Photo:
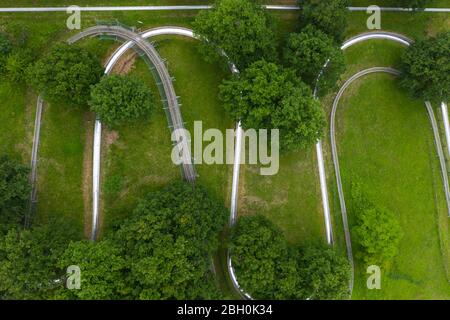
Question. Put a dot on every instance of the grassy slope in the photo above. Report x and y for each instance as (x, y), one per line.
(137, 160)
(196, 82)
(291, 198)
(384, 137)
(384, 53)
(16, 121)
(61, 157)
(197, 85)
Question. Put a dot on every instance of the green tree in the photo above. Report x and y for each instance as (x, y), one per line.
(102, 267)
(17, 64)
(267, 96)
(378, 233)
(326, 273)
(67, 73)
(241, 29)
(119, 99)
(307, 53)
(14, 192)
(426, 68)
(377, 230)
(169, 241)
(28, 260)
(330, 16)
(262, 260)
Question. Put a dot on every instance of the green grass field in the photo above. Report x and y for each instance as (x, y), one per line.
(136, 158)
(16, 121)
(291, 198)
(60, 164)
(64, 159)
(384, 137)
(196, 82)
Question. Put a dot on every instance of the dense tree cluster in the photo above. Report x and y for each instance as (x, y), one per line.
(67, 73)
(268, 268)
(268, 96)
(241, 29)
(29, 258)
(426, 68)
(329, 16)
(15, 56)
(119, 99)
(312, 53)
(162, 251)
(377, 230)
(14, 192)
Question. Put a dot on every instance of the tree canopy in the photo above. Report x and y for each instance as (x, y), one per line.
(307, 53)
(267, 96)
(426, 68)
(18, 63)
(169, 242)
(241, 29)
(268, 268)
(119, 99)
(261, 259)
(14, 192)
(28, 268)
(377, 230)
(326, 273)
(102, 267)
(67, 73)
(330, 16)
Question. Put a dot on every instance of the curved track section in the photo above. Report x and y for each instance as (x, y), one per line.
(180, 31)
(177, 123)
(383, 35)
(336, 158)
(176, 120)
(440, 150)
(319, 150)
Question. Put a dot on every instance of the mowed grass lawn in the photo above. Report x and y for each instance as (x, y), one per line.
(63, 156)
(385, 138)
(291, 198)
(197, 84)
(136, 158)
(16, 121)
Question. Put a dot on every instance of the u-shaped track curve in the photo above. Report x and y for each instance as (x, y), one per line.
(170, 30)
(335, 156)
(406, 41)
(173, 108)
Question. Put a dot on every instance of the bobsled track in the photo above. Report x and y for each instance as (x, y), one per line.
(138, 42)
